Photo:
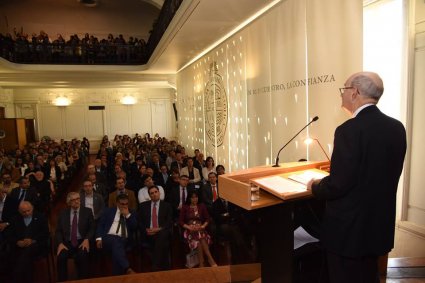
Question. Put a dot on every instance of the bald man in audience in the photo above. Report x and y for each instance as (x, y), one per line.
(28, 234)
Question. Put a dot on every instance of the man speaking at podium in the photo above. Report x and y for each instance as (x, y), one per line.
(360, 191)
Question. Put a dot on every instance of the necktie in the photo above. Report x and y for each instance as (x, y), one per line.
(74, 227)
(154, 216)
(214, 191)
(183, 195)
(22, 195)
(121, 225)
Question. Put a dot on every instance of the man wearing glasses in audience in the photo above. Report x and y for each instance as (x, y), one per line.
(74, 232)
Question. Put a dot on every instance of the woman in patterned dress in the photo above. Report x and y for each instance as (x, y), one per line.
(194, 219)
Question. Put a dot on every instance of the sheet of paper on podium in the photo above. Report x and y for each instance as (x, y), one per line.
(305, 176)
(289, 185)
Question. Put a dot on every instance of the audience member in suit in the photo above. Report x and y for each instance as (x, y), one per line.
(163, 176)
(44, 188)
(209, 192)
(99, 188)
(25, 193)
(8, 209)
(101, 169)
(360, 192)
(135, 166)
(194, 219)
(40, 165)
(91, 169)
(130, 184)
(178, 162)
(30, 171)
(155, 163)
(74, 231)
(156, 220)
(91, 199)
(223, 225)
(28, 233)
(173, 182)
(179, 195)
(193, 173)
(114, 231)
(199, 162)
(7, 185)
(143, 194)
(120, 189)
(52, 171)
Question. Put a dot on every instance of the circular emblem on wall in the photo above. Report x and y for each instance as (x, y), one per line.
(215, 105)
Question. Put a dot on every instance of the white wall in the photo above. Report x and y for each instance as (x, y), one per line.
(413, 215)
(152, 112)
(276, 74)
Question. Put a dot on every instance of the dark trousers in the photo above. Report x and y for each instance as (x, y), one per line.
(81, 259)
(159, 245)
(24, 262)
(352, 270)
(117, 246)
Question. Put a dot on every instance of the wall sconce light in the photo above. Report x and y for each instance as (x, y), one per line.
(310, 140)
(62, 101)
(128, 100)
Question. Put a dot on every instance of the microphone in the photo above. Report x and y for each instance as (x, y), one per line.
(277, 157)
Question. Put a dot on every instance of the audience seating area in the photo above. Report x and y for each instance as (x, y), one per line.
(118, 158)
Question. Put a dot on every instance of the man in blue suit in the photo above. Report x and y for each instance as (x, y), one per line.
(115, 227)
(360, 192)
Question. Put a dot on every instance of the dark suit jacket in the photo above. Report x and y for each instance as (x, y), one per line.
(107, 219)
(360, 191)
(207, 195)
(86, 225)
(103, 190)
(98, 204)
(175, 199)
(165, 216)
(30, 195)
(37, 230)
(58, 172)
(10, 209)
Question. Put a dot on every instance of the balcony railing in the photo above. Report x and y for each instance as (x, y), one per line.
(88, 53)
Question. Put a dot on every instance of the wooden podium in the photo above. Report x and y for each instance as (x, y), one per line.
(276, 213)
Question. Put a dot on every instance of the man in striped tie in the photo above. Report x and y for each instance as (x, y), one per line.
(155, 218)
